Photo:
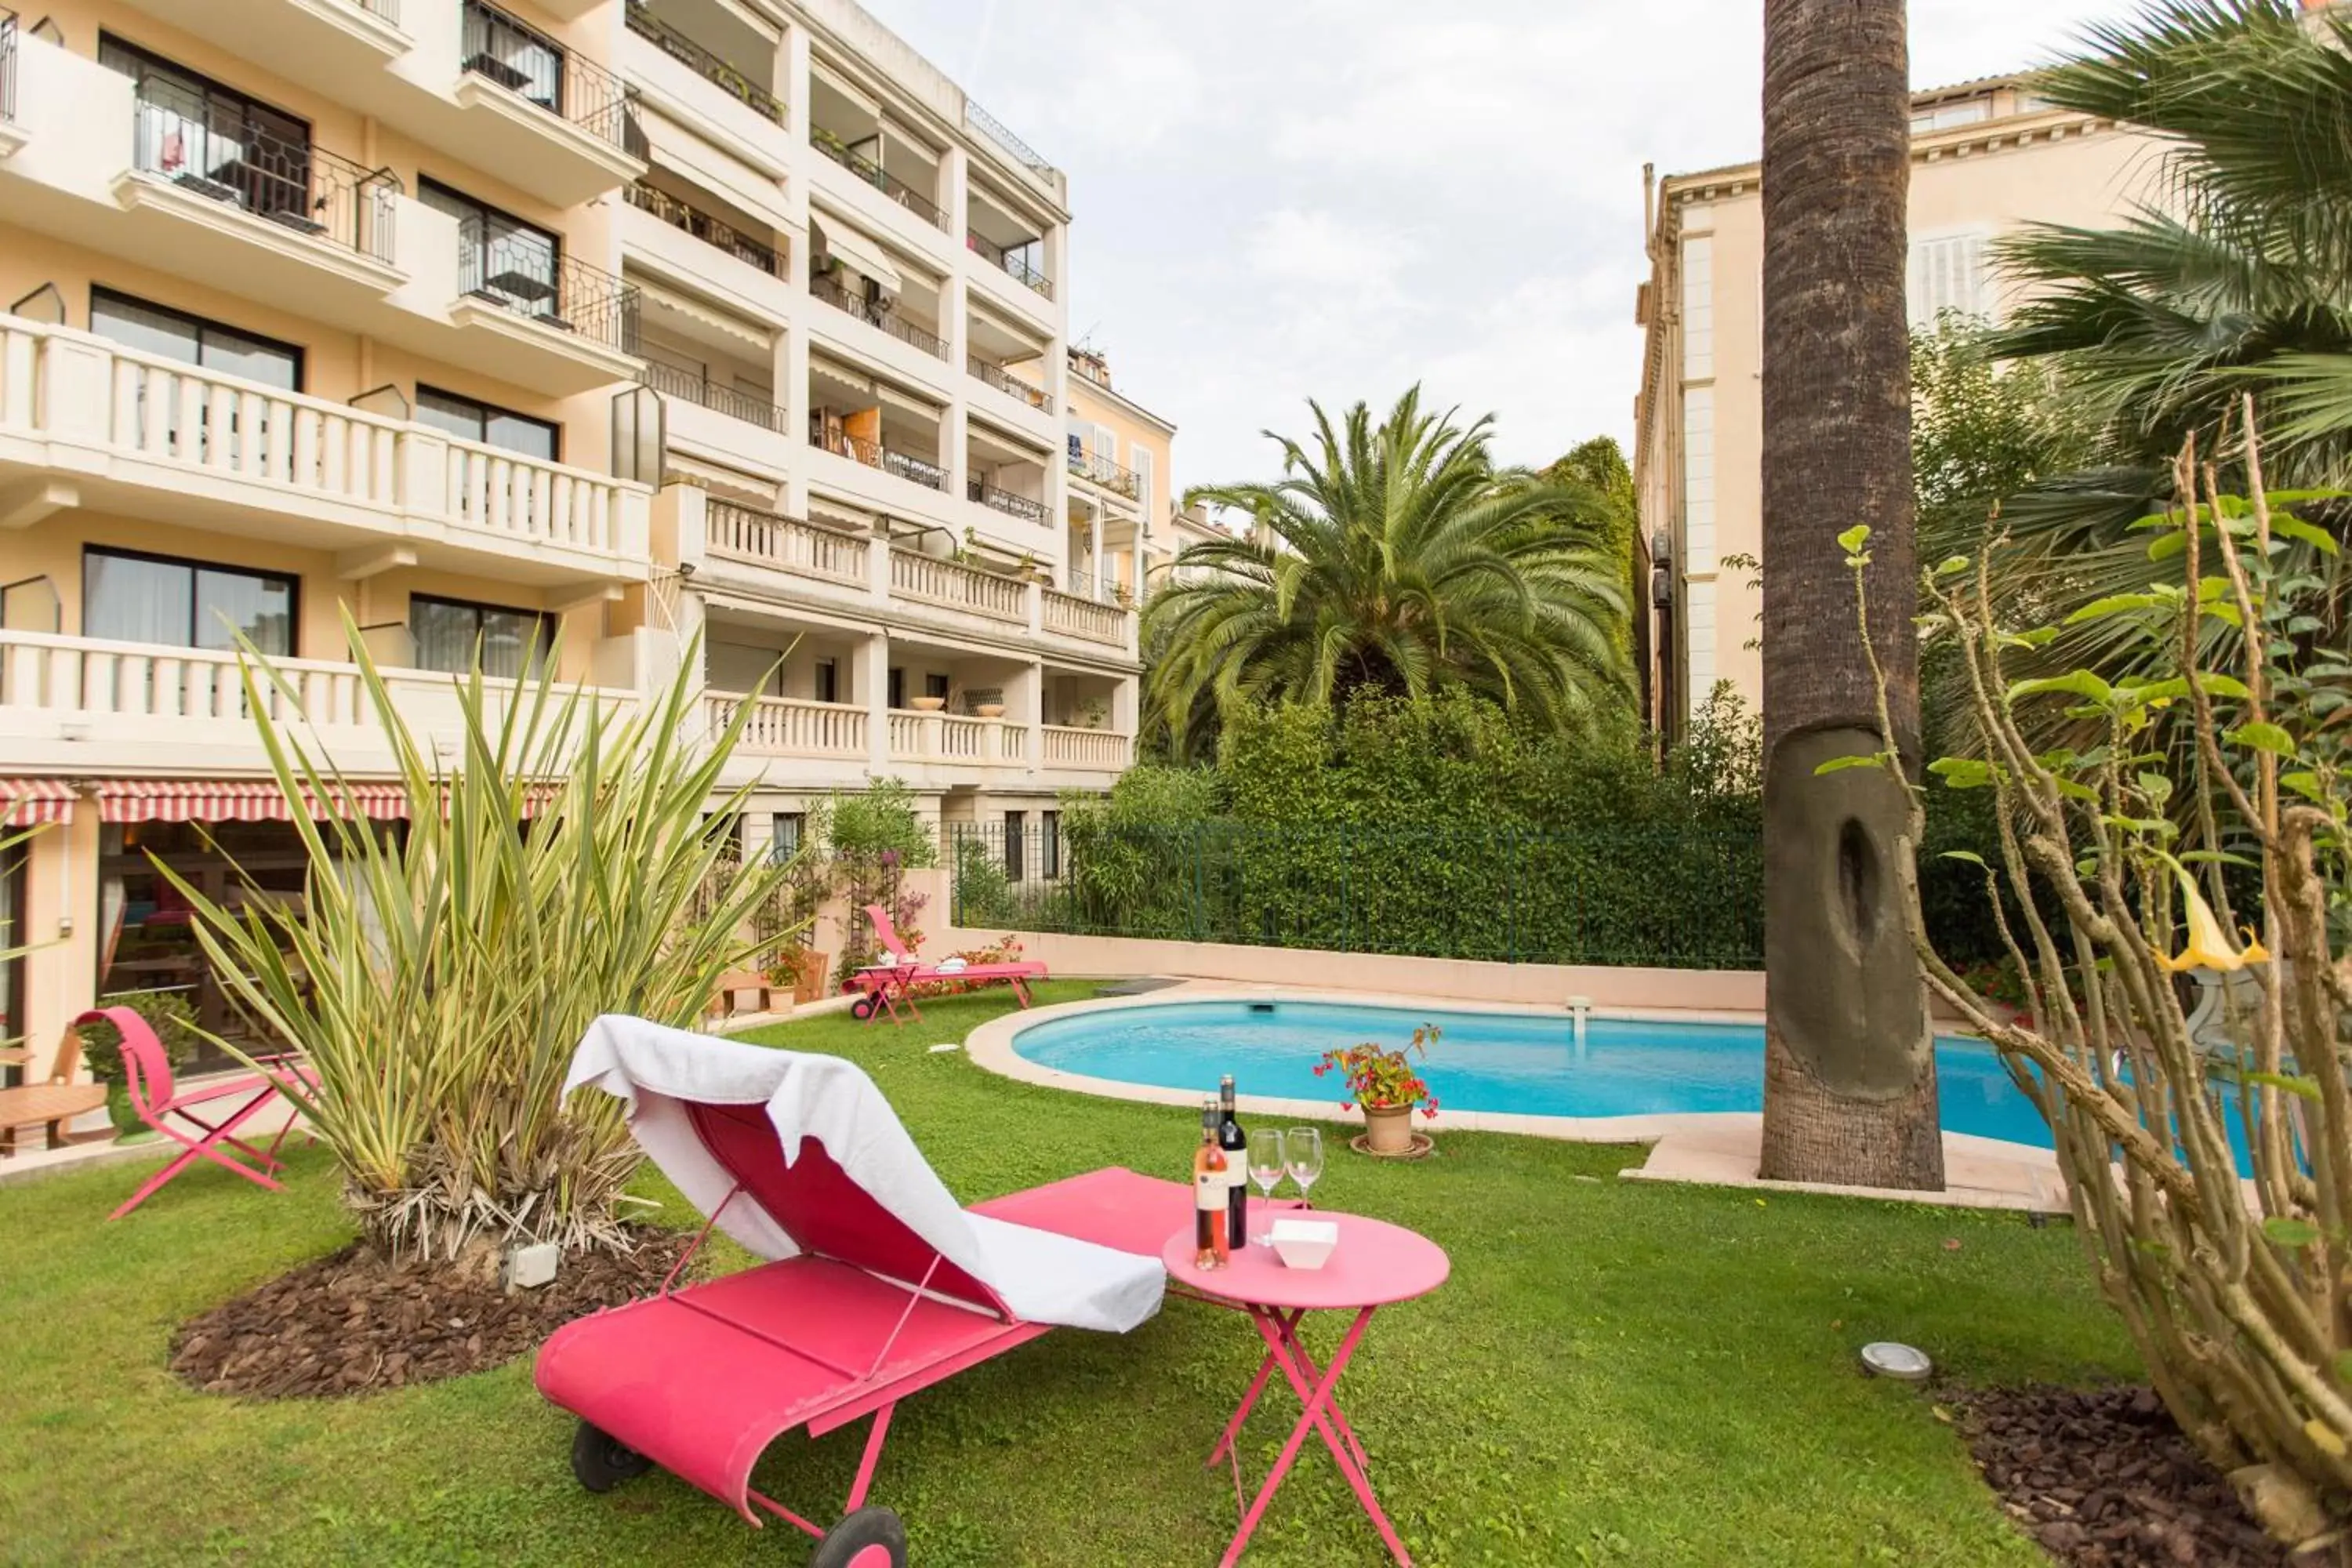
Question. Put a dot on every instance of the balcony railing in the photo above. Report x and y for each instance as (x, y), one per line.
(875, 454)
(881, 179)
(988, 125)
(704, 64)
(747, 407)
(1103, 472)
(874, 315)
(1011, 262)
(525, 61)
(1006, 502)
(790, 727)
(770, 540)
(957, 587)
(519, 273)
(997, 376)
(954, 738)
(1100, 750)
(7, 65)
(1080, 617)
(294, 185)
(704, 228)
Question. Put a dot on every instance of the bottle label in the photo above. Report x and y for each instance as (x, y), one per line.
(1209, 1190)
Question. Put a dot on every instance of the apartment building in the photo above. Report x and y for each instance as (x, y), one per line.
(607, 332)
(1986, 159)
(1121, 488)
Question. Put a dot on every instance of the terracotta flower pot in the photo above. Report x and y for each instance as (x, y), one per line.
(1388, 1129)
(808, 984)
(990, 710)
(927, 704)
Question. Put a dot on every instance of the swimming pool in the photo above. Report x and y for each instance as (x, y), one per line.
(1486, 1061)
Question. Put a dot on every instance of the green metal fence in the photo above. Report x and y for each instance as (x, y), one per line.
(1521, 896)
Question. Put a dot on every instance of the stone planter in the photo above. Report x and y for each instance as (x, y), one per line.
(927, 704)
(1387, 1129)
(990, 710)
(808, 982)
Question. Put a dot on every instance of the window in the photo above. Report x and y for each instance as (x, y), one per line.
(1946, 273)
(500, 257)
(784, 834)
(174, 335)
(1143, 466)
(1049, 830)
(1106, 443)
(829, 681)
(128, 597)
(214, 140)
(471, 421)
(936, 686)
(898, 696)
(451, 633)
(1944, 115)
(1014, 857)
(519, 58)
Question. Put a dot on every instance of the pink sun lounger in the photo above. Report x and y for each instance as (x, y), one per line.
(887, 985)
(878, 1284)
(215, 1112)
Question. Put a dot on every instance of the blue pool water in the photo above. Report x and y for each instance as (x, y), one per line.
(1486, 1061)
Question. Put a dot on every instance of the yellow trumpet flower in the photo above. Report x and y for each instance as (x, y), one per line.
(2208, 945)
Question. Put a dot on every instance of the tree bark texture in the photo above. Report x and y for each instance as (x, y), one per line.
(1850, 1073)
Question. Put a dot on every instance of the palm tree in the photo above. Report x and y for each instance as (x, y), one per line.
(1389, 558)
(1850, 1074)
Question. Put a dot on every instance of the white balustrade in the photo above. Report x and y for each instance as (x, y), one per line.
(790, 727)
(1077, 617)
(1094, 750)
(958, 586)
(767, 540)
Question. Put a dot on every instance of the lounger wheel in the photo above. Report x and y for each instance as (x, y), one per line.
(602, 1461)
(863, 1008)
(870, 1538)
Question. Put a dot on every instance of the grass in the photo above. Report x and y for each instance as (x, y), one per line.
(1617, 1373)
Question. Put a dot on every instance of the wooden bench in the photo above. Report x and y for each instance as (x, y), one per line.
(52, 1103)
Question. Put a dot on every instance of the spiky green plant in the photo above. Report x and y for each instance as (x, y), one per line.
(559, 865)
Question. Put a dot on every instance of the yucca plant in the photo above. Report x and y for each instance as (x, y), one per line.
(564, 862)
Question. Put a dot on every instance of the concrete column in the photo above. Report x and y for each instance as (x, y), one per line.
(1024, 704)
(873, 677)
(1123, 706)
(60, 926)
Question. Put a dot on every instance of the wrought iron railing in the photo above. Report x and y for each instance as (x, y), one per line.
(7, 65)
(295, 185)
(1106, 473)
(876, 175)
(875, 454)
(673, 382)
(988, 125)
(704, 64)
(504, 50)
(1006, 502)
(997, 376)
(875, 315)
(704, 228)
(520, 273)
(1011, 262)
(1684, 900)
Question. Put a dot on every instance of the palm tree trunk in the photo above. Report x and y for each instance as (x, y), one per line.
(1850, 1074)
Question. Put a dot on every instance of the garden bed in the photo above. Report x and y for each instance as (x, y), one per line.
(2105, 1479)
(353, 1324)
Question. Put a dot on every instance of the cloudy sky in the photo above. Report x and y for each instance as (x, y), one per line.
(1284, 199)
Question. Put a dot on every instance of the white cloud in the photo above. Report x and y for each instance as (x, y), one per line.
(1280, 199)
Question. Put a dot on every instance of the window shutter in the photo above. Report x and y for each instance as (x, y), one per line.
(1948, 274)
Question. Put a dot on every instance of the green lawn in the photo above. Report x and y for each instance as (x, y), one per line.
(1617, 1373)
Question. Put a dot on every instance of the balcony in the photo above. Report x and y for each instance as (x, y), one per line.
(86, 423)
(917, 337)
(709, 230)
(873, 454)
(300, 40)
(705, 64)
(1085, 750)
(792, 726)
(952, 740)
(997, 376)
(1088, 620)
(955, 586)
(672, 382)
(881, 179)
(12, 135)
(1006, 502)
(1010, 262)
(545, 319)
(68, 702)
(785, 544)
(548, 120)
(1102, 471)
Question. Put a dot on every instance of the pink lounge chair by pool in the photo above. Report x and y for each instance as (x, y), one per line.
(879, 1284)
(884, 987)
(215, 1112)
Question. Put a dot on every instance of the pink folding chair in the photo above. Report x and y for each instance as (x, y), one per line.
(886, 987)
(147, 1078)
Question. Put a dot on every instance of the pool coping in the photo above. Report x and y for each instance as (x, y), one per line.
(1709, 1148)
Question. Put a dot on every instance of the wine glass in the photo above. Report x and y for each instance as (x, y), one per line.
(1303, 1154)
(1265, 1168)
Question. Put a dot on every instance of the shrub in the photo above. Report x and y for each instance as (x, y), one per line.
(168, 1013)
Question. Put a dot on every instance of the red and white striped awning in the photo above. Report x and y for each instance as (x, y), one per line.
(28, 803)
(236, 800)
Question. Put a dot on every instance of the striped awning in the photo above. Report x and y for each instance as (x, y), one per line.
(236, 800)
(28, 803)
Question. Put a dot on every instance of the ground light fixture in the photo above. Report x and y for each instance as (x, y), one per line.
(1885, 1358)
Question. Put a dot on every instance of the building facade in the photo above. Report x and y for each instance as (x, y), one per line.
(616, 331)
(1986, 159)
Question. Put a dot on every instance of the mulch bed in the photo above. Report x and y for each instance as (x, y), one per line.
(352, 1323)
(2105, 1479)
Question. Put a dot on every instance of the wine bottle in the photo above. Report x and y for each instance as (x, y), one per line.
(1209, 1247)
(1235, 1144)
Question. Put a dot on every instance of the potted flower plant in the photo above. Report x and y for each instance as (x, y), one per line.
(1386, 1084)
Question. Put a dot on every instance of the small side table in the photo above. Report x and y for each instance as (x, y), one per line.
(1374, 1264)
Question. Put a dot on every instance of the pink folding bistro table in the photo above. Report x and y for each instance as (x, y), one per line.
(1374, 1264)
